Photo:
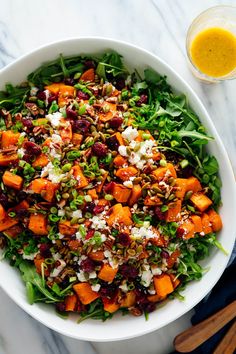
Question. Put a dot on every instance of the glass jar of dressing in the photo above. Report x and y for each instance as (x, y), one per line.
(211, 44)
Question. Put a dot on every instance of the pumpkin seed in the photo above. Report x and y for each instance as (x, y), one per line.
(131, 252)
(188, 195)
(65, 195)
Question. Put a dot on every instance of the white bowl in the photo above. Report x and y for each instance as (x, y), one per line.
(120, 327)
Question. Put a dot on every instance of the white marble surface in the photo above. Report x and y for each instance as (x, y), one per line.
(157, 25)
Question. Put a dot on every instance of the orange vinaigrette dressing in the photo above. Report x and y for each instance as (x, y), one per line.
(213, 51)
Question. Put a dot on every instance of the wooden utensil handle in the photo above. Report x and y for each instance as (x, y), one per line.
(228, 343)
(196, 335)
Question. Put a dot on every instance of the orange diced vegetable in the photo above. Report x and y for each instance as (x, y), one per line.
(197, 221)
(38, 224)
(7, 222)
(119, 138)
(3, 213)
(66, 229)
(135, 194)
(9, 138)
(54, 88)
(107, 273)
(163, 285)
(77, 139)
(11, 180)
(173, 212)
(109, 114)
(13, 231)
(40, 161)
(168, 171)
(6, 160)
(22, 205)
(79, 176)
(38, 265)
(151, 201)
(85, 293)
(66, 92)
(200, 201)
(121, 193)
(70, 302)
(110, 305)
(93, 193)
(180, 184)
(74, 245)
(38, 184)
(126, 172)
(49, 192)
(173, 258)
(119, 215)
(206, 224)
(66, 133)
(96, 256)
(155, 298)
(88, 75)
(99, 186)
(215, 220)
(129, 299)
(188, 230)
(119, 161)
(193, 184)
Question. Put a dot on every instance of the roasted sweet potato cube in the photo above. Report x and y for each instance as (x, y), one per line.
(85, 293)
(197, 221)
(129, 299)
(168, 171)
(79, 176)
(111, 305)
(9, 138)
(11, 180)
(215, 220)
(70, 302)
(40, 161)
(66, 229)
(107, 273)
(38, 224)
(206, 224)
(200, 201)
(193, 184)
(180, 185)
(125, 173)
(121, 193)
(135, 194)
(173, 212)
(163, 285)
(188, 228)
(8, 159)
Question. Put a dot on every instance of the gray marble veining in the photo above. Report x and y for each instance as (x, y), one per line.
(157, 25)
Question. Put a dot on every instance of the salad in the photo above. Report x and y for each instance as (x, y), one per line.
(108, 196)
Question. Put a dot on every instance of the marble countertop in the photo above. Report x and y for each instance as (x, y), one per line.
(157, 25)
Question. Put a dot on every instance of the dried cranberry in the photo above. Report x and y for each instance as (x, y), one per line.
(123, 238)
(120, 84)
(32, 148)
(41, 95)
(113, 143)
(143, 99)
(116, 122)
(80, 126)
(80, 307)
(89, 207)
(21, 195)
(99, 149)
(69, 81)
(44, 249)
(187, 172)
(98, 209)
(70, 114)
(87, 265)
(52, 98)
(89, 64)
(4, 200)
(22, 213)
(165, 254)
(27, 122)
(27, 157)
(180, 232)
(140, 295)
(159, 213)
(82, 95)
(89, 234)
(60, 306)
(108, 188)
(148, 306)
(108, 290)
(147, 170)
(128, 271)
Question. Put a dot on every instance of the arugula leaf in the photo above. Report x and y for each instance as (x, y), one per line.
(111, 64)
(151, 76)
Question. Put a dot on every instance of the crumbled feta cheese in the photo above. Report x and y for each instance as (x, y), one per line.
(156, 270)
(103, 237)
(81, 276)
(30, 256)
(124, 288)
(98, 223)
(130, 133)
(151, 291)
(56, 138)
(53, 174)
(56, 271)
(92, 275)
(96, 287)
(128, 184)
(21, 152)
(142, 232)
(56, 256)
(77, 214)
(54, 119)
(33, 91)
(146, 277)
(61, 212)
(47, 94)
(78, 236)
(122, 150)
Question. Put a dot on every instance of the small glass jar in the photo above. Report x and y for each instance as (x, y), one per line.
(223, 17)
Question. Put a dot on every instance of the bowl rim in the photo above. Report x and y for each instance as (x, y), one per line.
(109, 41)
